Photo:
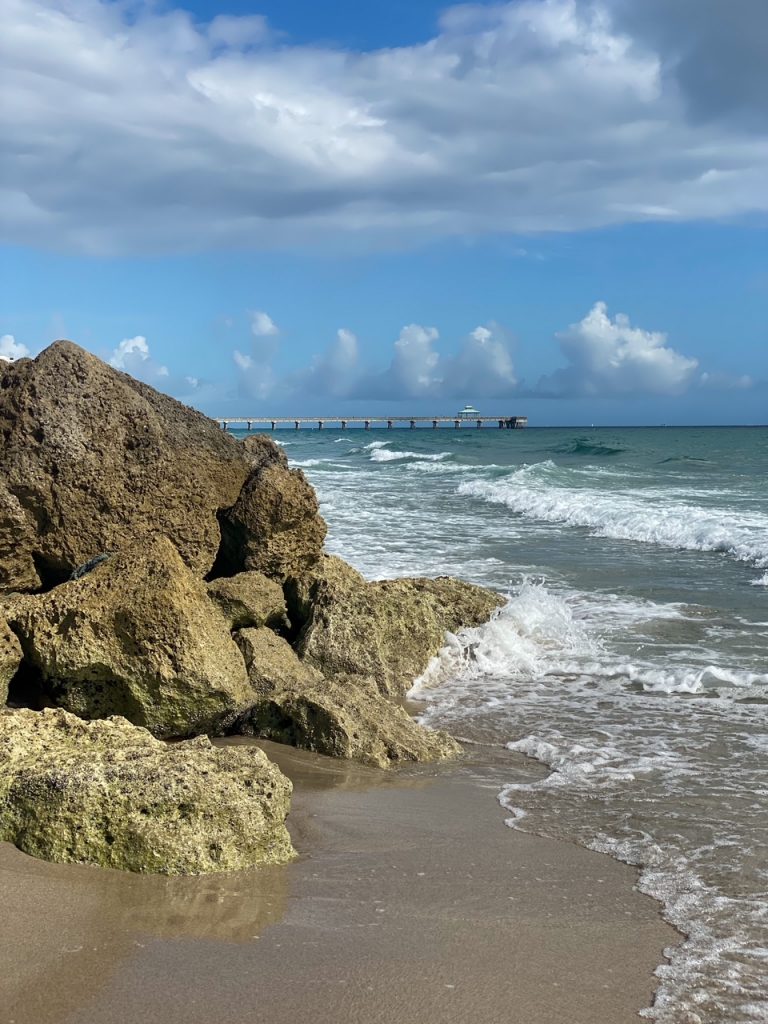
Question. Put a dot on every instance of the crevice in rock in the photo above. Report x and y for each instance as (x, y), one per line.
(228, 561)
(299, 610)
(27, 689)
(52, 572)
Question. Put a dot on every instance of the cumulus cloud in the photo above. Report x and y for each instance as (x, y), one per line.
(610, 357)
(481, 367)
(10, 349)
(262, 325)
(133, 356)
(132, 127)
(332, 373)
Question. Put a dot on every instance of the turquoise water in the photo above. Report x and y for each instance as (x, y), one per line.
(631, 657)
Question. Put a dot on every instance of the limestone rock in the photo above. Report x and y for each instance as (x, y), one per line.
(17, 542)
(345, 716)
(250, 599)
(137, 636)
(274, 527)
(271, 663)
(387, 630)
(92, 459)
(10, 658)
(110, 794)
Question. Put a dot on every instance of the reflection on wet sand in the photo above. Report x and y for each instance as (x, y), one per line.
(67, 927)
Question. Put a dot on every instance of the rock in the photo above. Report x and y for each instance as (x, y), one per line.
(139, 637)
(388, 630)
(345, 716)
(271, 663)
(274, 527)
(91, 459)
(10, 658)
(250, 599)
(110, 794)
(17, 542)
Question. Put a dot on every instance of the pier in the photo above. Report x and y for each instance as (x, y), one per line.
(343, 422)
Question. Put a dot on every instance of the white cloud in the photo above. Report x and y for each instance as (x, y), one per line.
(132, 356)
(10, 349)
(609, 357)
(130, 350)
(481, 368)
(718, 381)
(414, 369)
(262, 325)
(334, 372)
(516, 117)
(242, 361)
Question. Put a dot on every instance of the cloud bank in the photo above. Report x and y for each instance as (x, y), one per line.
(604, 357)
(132, 127)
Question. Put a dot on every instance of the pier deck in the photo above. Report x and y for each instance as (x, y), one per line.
(342, 422)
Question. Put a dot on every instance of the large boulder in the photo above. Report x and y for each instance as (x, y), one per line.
(250, 599)
(274, 527)
(10, 658)
(137, 636)
(344, 716)
(388, 630)
(91, 459)
(110, 794)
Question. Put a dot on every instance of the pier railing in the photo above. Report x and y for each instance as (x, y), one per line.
(342, 422)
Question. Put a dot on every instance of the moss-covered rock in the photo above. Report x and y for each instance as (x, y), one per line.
(344, 716)
(250, 599)
(108, 793)
(387, 630)
(137, 636)
(10, 658)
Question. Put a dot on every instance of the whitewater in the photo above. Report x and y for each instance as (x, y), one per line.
(629, 664)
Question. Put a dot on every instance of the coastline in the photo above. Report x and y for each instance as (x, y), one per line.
(410, 900)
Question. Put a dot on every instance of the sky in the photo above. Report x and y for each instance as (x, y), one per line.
(551, 208)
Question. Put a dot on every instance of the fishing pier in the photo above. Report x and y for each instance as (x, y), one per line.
(366, 422)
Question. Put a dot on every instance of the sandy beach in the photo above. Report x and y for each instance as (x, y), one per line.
(411, 901)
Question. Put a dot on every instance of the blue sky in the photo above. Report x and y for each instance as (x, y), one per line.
(548, 207)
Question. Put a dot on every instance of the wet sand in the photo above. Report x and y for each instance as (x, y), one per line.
(411, 902)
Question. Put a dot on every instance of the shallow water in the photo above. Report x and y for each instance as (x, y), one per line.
(631, 658)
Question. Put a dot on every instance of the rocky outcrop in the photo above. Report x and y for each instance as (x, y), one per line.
(387, 630)
(137, 636)
(10, 658)
(92, 459)
(250, 599)
(274, 527)
(344, 716)
(110, 794)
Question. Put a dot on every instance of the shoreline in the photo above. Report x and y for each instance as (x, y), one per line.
(410, 900)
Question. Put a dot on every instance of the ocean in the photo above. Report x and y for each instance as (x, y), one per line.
(630, 661)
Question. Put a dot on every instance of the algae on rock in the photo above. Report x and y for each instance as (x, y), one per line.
(138, 636)
(108, 793)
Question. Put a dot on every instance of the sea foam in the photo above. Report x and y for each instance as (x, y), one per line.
(652, 518)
